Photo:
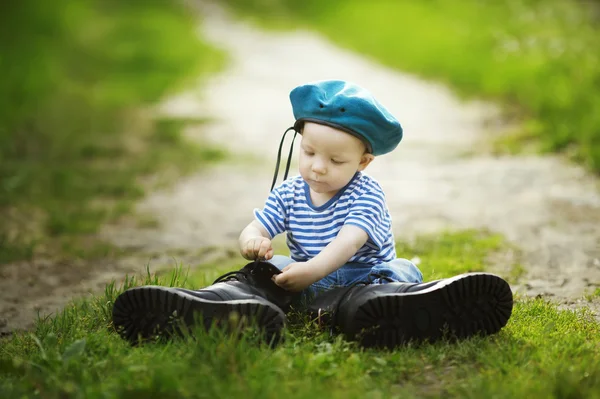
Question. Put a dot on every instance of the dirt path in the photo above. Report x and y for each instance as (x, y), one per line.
(437, 179)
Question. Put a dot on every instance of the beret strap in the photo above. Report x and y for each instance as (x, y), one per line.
(289, 160)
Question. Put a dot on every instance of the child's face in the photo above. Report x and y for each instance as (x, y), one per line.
(330, 157)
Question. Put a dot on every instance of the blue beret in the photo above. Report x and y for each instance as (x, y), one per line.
(347, 107)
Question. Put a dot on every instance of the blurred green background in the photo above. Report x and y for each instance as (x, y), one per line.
(74, 79)
(74, 76)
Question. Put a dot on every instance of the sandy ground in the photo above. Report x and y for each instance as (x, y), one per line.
(441, 177)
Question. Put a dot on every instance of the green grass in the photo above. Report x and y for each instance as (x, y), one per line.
(541, 59)
(541, 353)
(594, 294)
(76, 139)
(447, 254)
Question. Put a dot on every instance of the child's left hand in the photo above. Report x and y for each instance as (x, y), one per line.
(297, 276)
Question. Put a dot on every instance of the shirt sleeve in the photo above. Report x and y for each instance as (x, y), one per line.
(369, 212)
(272, 216)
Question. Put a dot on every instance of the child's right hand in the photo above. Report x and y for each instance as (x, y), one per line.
(257, 248)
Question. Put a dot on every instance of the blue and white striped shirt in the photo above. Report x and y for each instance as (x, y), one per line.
(310, 228)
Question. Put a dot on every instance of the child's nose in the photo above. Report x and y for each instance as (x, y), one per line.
(319, 167)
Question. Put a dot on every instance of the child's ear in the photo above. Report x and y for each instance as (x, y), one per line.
(365, 160)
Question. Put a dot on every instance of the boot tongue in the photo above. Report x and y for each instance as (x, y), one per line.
(259, 274)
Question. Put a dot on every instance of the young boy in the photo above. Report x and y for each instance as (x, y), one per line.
(343, 259)
(334, 215)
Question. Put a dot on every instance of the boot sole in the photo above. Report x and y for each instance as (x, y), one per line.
(464, 306)
(149, 312)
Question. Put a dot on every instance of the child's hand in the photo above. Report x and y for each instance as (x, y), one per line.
(297, 276)
(257, 248)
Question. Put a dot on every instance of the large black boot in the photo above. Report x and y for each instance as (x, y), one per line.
(387, 315)
(145, 312)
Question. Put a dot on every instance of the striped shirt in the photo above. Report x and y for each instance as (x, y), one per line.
(310, 228)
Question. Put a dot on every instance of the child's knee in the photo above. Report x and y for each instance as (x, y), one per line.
(400, 269)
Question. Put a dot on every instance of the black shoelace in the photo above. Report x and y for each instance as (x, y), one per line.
(235, 275)
(289, 160)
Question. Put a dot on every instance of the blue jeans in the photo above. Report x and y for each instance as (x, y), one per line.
(400, 270)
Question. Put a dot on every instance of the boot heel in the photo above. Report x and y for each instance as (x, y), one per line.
(477, 304)
(143, 313)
